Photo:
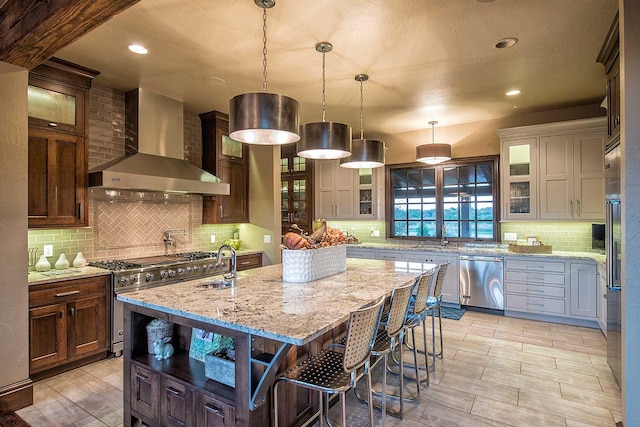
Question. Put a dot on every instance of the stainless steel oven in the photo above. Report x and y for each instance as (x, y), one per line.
(140, 273)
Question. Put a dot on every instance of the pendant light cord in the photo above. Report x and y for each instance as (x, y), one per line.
(433, 133)
(361, 112)
(264, 47)
(323, 87)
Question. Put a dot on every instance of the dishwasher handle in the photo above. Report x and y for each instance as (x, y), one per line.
(480, 258)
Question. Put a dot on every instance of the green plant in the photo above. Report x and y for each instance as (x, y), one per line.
(224, 346)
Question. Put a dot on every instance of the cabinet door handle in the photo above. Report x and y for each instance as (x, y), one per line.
(571, 207)
(62, 313)
(66, 294)
(221, 213)
(72, 311)
(142, 377)
(173, 391)
(80, 211)
(579, 209)
(213, 409)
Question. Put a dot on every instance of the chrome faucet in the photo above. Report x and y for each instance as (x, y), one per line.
(444, 240)
(232, 276)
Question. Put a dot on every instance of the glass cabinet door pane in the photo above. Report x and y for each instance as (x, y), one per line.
(231, 147)
(519, 197)
(52, 106)
(365, 176)
(519, 160)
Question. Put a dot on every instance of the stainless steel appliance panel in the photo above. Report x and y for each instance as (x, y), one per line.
(613, 248)
(481, 282)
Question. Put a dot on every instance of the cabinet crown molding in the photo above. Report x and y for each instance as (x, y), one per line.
(556, 128)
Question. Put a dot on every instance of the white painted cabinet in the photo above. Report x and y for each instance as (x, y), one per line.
(344, 193)
(553, 171)
(450, 288)
(602, 299)
(584, 289)
(572, 176)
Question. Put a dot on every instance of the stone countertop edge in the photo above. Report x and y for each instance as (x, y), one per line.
(38, 278)
(263, 305)
(477, 251)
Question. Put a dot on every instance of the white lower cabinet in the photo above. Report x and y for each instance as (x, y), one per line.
(584, 289)
(602, 298)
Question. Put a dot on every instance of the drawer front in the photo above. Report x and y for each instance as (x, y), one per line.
(177, 404)
(535, 290)
(535, 277)
(245, 262)
(389, 255)
(533, 304)
(535, 265)
(145, 392)
(70, 290)
(360, 253)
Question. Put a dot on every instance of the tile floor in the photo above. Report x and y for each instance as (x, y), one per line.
(496, 371)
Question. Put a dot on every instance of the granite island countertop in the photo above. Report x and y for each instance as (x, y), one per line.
(264, 305)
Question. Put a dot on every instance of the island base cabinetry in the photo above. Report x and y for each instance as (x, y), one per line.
(176, 392)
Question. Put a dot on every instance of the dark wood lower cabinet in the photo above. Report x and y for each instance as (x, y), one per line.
(177, 404)
(145, 396)
(211, 412)
(248, 261)
(68, 321)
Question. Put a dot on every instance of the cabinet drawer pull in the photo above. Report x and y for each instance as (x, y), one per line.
(173, 391)
(66, 294)
(536, 305)
(245, 262)
(213, 409)
(536, 290)
(142, 377)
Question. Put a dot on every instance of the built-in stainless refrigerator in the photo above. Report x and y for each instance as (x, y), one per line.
(613, 247)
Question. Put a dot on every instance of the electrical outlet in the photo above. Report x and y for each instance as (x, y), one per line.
(213, 238)
(375, 233)
(267, 238)
(48, 250)
(510, 237)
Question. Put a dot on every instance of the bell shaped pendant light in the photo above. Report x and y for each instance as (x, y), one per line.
(433, 153)
(324, 140)
(261, 117)
(365, 153)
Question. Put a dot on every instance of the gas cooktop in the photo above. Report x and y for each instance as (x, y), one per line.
(159, 260)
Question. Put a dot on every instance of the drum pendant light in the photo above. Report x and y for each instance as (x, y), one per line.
(324, 140)
(365, 153)
(433, 153)
(261, 117)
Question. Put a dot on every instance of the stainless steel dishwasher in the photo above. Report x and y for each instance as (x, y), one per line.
(481, 283)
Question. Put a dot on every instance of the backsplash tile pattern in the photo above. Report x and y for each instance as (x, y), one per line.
(563, 236)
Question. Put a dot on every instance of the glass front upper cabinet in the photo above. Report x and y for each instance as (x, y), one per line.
(519, 178)
(55, 107)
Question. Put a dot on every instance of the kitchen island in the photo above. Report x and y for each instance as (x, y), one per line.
(274, 324)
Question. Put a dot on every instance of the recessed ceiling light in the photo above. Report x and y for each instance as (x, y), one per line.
(138, 48)
(213, 81)
(513, 92)
(506, 42)
(485, 1)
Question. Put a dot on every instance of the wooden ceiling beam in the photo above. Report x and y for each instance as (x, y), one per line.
(31, 31)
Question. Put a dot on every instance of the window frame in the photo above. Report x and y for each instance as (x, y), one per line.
(467, 161)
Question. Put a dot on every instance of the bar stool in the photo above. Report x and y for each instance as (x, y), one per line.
(435, 303)
(390, 333)
(331, 372)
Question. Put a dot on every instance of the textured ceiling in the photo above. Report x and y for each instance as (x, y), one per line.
(427, 59)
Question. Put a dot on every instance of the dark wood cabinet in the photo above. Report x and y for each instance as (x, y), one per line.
(58, 117)
(227, 159)
(211, 412)
(248, 261)
(609, 56)
(145, 392)
(296, 189)
(68, 321)
(177, 404)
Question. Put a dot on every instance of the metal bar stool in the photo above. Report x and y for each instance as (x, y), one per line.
(435, 303)
(331, 372)
(390, 333)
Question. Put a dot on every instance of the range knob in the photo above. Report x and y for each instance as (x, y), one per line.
(189, 269)
(163, 274)
(180, 271)
(123, 280)
(205, 267)
(149, 277)
(133, 279)
(196, 268)
(172, 273)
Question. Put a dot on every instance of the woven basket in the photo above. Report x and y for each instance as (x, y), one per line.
(157, 328)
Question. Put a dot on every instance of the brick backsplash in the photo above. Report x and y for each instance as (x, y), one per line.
(130, 230)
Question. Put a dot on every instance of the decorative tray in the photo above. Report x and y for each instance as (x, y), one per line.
(530, 249)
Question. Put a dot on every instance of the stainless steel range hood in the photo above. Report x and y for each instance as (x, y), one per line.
(155, 152)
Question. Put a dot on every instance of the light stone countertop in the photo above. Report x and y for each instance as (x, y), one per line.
(264, 305)
(53, 275)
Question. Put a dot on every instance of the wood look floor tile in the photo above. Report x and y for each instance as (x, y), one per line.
(449, 397)
(591, 397)
(514, 415)
(521, 356)
(609, 384)
(556, 352)
(597, 359)
(567, 409)
(437, 416)
(505, 327)
(451, 346)
(469, 370)
(510, 336)
(574, 423)
(488, 360)
(50, 408)
(487, 389)
(601, 371)
(561, 376)
(88, 422)
(523, 382)
(109, 371)
(560, 336)
(494, 342)
(581, 348)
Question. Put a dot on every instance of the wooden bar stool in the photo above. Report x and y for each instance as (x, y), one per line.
(330, 372)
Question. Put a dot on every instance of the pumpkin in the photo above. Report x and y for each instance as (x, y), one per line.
(294, 241)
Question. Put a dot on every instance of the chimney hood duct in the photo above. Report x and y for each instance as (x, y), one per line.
(154, 147)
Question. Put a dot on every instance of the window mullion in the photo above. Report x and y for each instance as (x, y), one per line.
(439, 201)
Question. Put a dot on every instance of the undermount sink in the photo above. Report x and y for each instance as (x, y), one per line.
(215, 284)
